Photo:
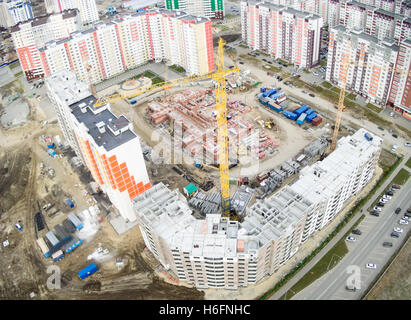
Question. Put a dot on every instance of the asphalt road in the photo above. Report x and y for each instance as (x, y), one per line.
(337, 238)
(366, 249)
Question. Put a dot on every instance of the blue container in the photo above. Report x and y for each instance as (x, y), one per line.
(264, 101)
(311, 116)
(262, 90)
(133, 101)
(51, 145)
(301, 118)
(52, 152)
(87, 271)
(300, 110)
(75, 220)
(368, 136)
(309, 111)
(277, 95)
(290, 115)
(272, 92)
(70, 203)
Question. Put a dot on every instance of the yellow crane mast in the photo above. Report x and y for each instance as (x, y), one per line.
(218, 76)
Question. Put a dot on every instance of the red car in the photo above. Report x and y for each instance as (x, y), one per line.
(396, 186)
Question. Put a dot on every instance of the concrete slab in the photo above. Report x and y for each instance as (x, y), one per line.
(15, 114)
(121, 226)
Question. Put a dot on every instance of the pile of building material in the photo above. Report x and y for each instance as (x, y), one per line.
(206, 203)
(241, 199)
(316, 147)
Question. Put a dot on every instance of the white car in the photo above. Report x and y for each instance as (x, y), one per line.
(315, 73)
(377, 209)
(386, 196)
(402, 221)
(351, 239)
(383, 200)
(371, 266)
(399, 230)
(407, 144)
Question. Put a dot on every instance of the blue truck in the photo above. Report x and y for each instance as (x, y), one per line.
(75, 220)
(87, 271)
(290, 115)
(301, 118)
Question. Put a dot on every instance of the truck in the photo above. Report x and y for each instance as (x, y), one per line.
(272, 105)
(290, 115)
(301, 118)
(87, 271)
(70, 203)
(75, 220)
(19, 227)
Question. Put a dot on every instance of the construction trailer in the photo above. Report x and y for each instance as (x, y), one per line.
(75, 220)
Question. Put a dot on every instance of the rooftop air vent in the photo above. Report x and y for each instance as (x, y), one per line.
(101, 126)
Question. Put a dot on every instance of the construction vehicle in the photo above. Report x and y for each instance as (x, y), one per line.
(269, 124)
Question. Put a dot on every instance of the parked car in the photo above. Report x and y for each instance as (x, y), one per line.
(240, 62)
(407, 144)
(312, 95)
(398, 210)
(402, 221)
(374, 213)
(351, 239)
(395, 136)
(377, 209)
(380, 204)
(390, 193)
(357, 231)
(395, 235)
(371, 266)
(387, 244)
(399, 230)
(381, 128)
(395, 186)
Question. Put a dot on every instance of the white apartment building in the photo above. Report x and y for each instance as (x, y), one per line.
(371, 62)
(87, 8)
(14, 11)
(282, 32)
(106, 143)
(29, 36)
(218, 253)
(213, 9)
(112, 48)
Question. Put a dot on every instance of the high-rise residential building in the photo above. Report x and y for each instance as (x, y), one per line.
(216, 252)
(106, 143)
(213, 9)
(353, 14)
(400, 95)
(112, 48)
(87, 8)
(14, 11)
(371, 63)
(282, 32)
(29, 36)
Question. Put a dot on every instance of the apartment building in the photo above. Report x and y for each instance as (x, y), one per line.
(106, 143)
(213, 9)
(29, 36)
(112, 48)
(282, 32)
(14, 11)
(400, 94)
(371, 63)
(216, 252)
(87, 8)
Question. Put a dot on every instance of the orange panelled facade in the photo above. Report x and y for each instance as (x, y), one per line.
(89, 157)
(120, 178)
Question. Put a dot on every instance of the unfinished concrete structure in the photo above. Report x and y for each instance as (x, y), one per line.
(218, 253)
(191, 116)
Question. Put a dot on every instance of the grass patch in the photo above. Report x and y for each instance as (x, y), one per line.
(408, 164)
(283, 61)
(177, 68)
(243, 46)
(147, 74)
(373, 107)
(157, 80)
(401, 177)
(370, 115)
(330, 260)
(351, 96)
(229, 16)
(250, 58)
(405, 130)
(326, 84)
(323, 63)
(14, 65)
(18, 74)
(263, 53)
(306, 71)
(336, 90)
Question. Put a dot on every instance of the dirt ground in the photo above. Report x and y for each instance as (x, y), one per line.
(396, 283)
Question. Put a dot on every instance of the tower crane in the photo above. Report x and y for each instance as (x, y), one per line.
(218, 76)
